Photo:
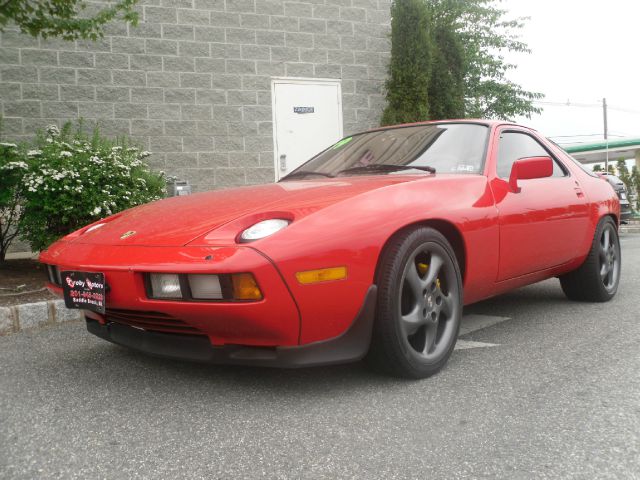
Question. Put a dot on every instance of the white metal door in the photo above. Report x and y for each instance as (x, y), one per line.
(307, 118)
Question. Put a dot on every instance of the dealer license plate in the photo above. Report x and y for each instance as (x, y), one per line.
(84, 290)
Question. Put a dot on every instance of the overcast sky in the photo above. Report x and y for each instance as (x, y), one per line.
(582, 51)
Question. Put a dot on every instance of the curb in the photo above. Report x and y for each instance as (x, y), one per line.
(29, 316)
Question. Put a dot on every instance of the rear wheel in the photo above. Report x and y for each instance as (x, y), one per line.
(419, 304)
(596, 280)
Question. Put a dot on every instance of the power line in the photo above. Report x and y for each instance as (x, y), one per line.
(584, 135)
(574, 143)
(569, 103)
(626, 110)
(623, 134)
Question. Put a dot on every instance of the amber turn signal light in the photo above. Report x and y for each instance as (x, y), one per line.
(322, 275)
(245, 287)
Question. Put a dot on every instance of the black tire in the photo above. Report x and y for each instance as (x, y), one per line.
(597, 279)
(419, 304)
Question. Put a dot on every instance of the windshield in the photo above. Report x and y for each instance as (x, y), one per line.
(447, 148)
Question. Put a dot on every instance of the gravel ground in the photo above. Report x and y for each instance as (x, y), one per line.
(22, 281)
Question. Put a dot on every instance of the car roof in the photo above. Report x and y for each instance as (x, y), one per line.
(477, 121)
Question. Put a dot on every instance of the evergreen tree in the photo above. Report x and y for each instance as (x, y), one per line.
(408, 83)
(635, 178)
(446, 84)
(625, 176)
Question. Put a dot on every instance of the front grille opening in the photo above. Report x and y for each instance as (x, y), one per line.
(53, 275)
(151, 321)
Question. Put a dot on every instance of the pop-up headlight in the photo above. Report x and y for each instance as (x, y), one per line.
(94, 227)
(263, 229)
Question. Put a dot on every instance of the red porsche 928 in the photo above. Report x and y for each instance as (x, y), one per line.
(370, 249)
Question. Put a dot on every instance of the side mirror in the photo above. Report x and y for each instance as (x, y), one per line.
(528, 168)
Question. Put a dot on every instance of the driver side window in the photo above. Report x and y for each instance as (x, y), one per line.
(514, 146)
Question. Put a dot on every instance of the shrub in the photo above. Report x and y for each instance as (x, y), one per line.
(12, 170)
(74, 180)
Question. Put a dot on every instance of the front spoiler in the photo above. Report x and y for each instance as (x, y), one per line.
(351, 346)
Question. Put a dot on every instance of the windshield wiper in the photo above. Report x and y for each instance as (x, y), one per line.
(387, 167)
(304, 173)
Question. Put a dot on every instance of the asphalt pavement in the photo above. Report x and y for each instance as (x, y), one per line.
(540, 387)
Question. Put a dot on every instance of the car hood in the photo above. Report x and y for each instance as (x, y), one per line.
(178, 221)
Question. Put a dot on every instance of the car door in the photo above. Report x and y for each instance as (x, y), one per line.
(542, 224)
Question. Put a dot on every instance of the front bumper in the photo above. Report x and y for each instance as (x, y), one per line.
(351, 346)
(272, 321)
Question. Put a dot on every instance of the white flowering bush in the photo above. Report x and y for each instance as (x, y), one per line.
(73, 180)
(12, 171)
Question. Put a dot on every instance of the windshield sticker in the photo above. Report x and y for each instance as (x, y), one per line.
(342, 142)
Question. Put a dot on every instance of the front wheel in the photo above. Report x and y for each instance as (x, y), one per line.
(419, 304)
(597, 279)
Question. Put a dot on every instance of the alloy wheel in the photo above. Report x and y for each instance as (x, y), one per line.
(609, 258)
(428, 302)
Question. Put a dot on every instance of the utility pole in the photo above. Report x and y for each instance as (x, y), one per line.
(606, 134)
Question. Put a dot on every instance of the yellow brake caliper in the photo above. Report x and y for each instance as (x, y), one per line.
(422, 270)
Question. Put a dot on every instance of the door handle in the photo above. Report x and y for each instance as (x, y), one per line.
(579, 192)
(283, 163)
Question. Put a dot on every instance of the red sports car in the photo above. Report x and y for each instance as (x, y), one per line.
(370, 249)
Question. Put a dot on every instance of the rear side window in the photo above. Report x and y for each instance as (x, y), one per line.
(514, 146)
(615, 180)
(584, 168)
(565, 155)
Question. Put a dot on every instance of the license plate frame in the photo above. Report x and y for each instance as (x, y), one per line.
(84, 290)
